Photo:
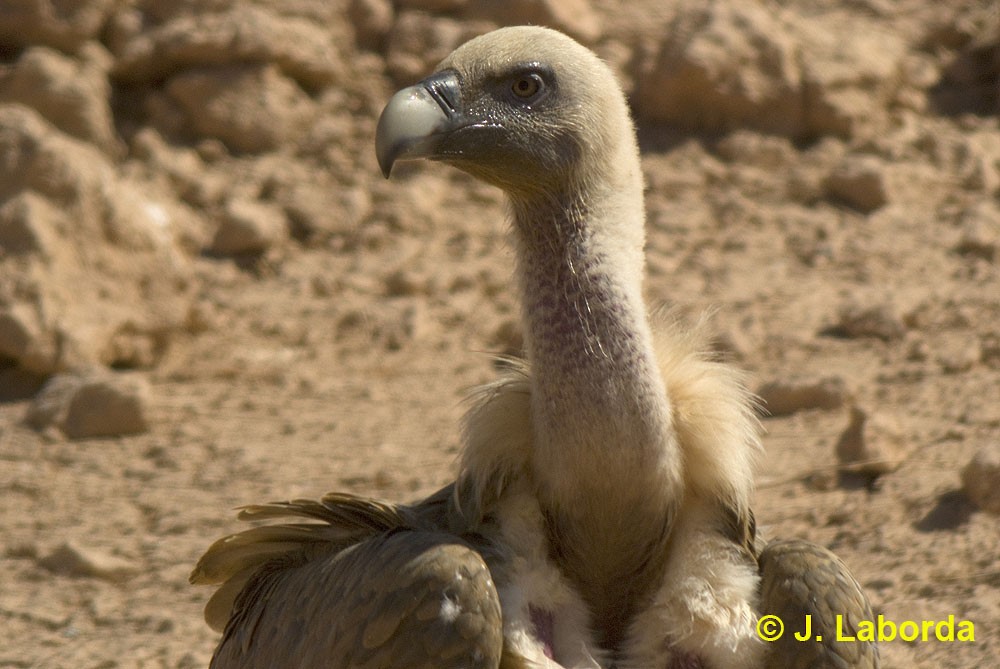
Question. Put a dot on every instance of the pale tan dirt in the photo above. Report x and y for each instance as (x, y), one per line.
(188, 194)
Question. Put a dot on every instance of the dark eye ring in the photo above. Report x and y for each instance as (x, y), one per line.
(527, 86)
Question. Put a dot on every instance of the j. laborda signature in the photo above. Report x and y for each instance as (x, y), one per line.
(772, 628)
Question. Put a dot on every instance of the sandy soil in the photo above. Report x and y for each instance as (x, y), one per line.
(189, 202)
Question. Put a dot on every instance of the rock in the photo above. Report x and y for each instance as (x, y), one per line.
(783, 398)
(67, 212)
(981, 174)
(72, 559)
(24, 341)
(951, 31)
(243, 35)
(38, 158)
(403, 323)
(981, 479)
(17, 332)
(108, 407)
(250, 108)
(248, 228)
(989, 349)
(724, 66)
(50, 406)
(732, 344)
(419, 41)
(184, 169)
(71, 94)
(434, 6)
(92, 404)
(859, 182)
(125, 24)
(980, 233)
(851, 71)
(393, 325)
(809, 238)
(55, 23)
(956, 360)
(405, 283)
(158, 12)
(729, 64)
(856, 320)
(871, 445)
(968, 82)
(752, 148)
(576, 18)
(29, 225)
(371, 20)
(309, 206)
(508, 337)
(137, 348)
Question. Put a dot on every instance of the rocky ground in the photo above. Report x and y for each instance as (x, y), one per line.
(209, 296)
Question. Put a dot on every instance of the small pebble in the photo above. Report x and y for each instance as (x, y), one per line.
(72, 559)
(981, 479)
(92, 403)
(782, 398)
(871, 445)
(859, 183)
(856, 321)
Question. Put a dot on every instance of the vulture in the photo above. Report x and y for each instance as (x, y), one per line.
(600, 514)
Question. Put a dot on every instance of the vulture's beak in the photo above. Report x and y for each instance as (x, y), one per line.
(416, 118)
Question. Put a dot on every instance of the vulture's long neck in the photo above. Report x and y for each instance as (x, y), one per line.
(606, 461)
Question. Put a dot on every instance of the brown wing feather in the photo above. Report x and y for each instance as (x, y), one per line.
(365, 584)
(338, 509)
(398, 599)
(799, 578)
(341, 520)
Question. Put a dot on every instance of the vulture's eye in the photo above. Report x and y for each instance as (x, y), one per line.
(527, 86)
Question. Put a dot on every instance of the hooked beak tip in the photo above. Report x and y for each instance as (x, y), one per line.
(414, 119)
